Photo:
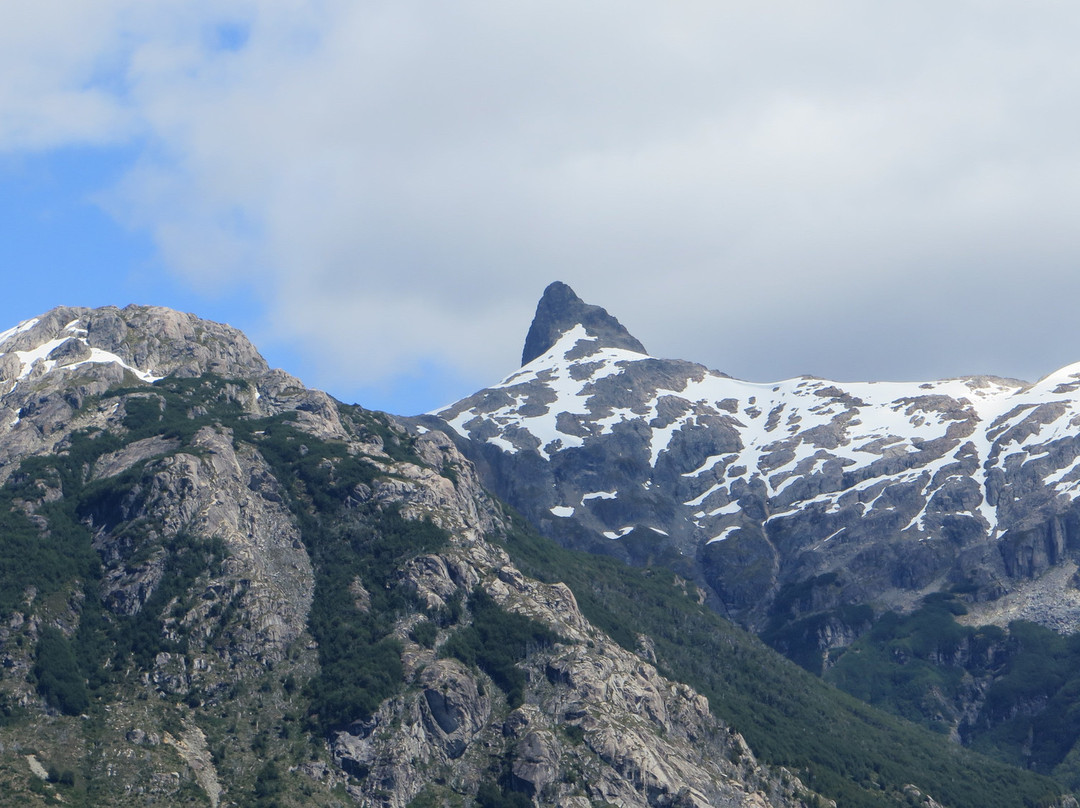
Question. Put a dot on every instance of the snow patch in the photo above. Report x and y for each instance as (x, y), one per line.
(723, 536)
(25, 325)
(832, 535)
(502, 443)
(725, 510)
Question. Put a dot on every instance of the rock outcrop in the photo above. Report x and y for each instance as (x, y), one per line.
(598, 723)
(559, 310)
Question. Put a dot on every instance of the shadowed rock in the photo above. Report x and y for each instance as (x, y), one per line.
(559, 311)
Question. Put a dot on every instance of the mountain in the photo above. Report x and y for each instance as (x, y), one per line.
(879, 492)
(915, 544)
(218, 587)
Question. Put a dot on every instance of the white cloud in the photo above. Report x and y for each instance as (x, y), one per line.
(759, 187)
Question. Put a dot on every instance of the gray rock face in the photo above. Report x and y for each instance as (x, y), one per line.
(898, 489)
(635, 738)
(560, 310)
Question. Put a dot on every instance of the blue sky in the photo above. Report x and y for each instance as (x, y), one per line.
(378, 193)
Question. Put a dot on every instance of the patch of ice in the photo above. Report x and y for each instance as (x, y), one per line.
(830, 497)
(832, 535)
(1056, 477)
(706, 465)
(726, 510)
(700, 498)
(564, 511)
(29, 358)
(98, 356)
(502, 443)
(726, 532)
(1046, 385)
(793, 478)
(38, 357)
(458, 422)
(617, 534)
(1069, 489)
(854, 424)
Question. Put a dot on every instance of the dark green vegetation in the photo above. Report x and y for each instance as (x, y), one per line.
(360, 661)
(902, 660)
(491, 795)
(797, 620)
(1021, 686)
(140, 636)
(57, 673)
(496, 641)
(842, 748)
(46, 560)
(50, 570)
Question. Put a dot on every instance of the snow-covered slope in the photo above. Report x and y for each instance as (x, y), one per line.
(896, 485)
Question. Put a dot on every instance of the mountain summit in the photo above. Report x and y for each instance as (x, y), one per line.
(887, 491)
(559, 310)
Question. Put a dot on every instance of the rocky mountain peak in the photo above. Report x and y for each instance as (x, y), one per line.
(50, 365)
(148, 341)
(559, 310)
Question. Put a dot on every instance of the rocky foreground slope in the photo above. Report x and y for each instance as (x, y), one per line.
(882, 492)
(218, 587)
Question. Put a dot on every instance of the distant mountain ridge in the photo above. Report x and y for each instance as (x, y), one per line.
(897, 488)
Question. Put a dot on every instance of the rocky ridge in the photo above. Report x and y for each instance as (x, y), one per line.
(894, 489)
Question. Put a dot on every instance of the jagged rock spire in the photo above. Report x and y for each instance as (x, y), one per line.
(559, 310)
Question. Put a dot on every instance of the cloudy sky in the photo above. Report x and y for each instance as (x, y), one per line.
(378, 192)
